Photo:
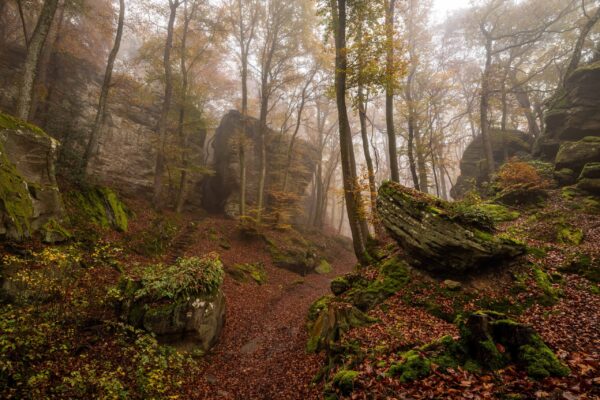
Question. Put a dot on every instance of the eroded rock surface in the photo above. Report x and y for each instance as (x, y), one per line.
(506, 144)
(437, 237)
(29, 197)
(221, 192)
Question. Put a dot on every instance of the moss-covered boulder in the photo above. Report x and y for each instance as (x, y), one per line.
(29, 195)
(102, 206)
(179, 302)
(438, 237)
(575, 155)
(495, 341)
(293, 252)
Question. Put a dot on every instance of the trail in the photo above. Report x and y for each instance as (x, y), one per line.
(261, 353)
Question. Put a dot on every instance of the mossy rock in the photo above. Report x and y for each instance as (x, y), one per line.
(102, 206)
(412, 367)
(539, 361)
(177, 302)
(436, 236)
(544, 282)
(344, 380)
(253, 271)
(497, 212)
(393, 276)
(339, 285)
(52, 232)
(29, 196)
(565, 176)
(324, 267)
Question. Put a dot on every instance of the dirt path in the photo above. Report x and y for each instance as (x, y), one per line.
(261, 354)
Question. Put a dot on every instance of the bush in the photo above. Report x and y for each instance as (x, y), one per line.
(518, 173)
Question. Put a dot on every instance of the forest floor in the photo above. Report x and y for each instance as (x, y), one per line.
(262, 351)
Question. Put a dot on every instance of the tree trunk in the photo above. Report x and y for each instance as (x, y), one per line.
(33, 54)
(411, 130)
(183, 184)
(523, 99)
(40, 83)
(159, 168)
(101, 110)
(244, 47)
(483, 111)
(362, 114)
(264, 104)
(351, 192)
(576, 56)
(389, 90)
(421, 163)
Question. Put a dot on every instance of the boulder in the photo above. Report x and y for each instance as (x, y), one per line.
(221, 191)
(575, 155)
(182, 302)
(572, 113)
(506, 144)
(29, 197)
(292, 252)
(436, 236)
(589, 179)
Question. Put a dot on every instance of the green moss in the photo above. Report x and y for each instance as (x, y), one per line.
(545, 284)
(540, 361)
(339, 285)
(53, 231)
(496, 212)
(344, 380)
(412, 367)
(10, 122)
(493, 358)
(256, 271)
(14, 196)
(324, 267)
(318, 306)
(569, 235)
(102, 206)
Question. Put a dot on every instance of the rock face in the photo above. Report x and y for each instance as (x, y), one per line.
(125, 156)
(179, 303)
(506, 144)
(571, 138)
(29, 197)
(438, 238)
(573, 112)
(221, 191)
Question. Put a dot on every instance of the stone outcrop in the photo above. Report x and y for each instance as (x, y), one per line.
(126, 151)
(179, 303)
(436, 236)
(506, 144)
(30, 201)
(221, 191)
(572, 113)
(571, 138)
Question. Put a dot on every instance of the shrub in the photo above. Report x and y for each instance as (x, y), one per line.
(517, 173)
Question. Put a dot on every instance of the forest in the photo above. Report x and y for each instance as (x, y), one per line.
(300, 199)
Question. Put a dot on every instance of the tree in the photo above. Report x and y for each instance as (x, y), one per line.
(281, 26)
(352, 194)
(34, 49)
(389, 90)
(245, 21)
(583, 33)
(159, 166)
(101, 110)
